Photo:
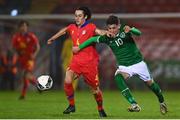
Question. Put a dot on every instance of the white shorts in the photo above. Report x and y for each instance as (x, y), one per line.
(139, 69)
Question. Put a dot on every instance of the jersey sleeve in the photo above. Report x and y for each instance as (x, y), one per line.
(88, 42)
(135, 31)
(102, 39)
(69, 27)
(93, 27)
(96, 39)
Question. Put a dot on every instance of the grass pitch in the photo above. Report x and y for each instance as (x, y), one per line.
(50, 104)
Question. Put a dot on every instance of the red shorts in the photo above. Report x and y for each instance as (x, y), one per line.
(88, 71)
(26, 63)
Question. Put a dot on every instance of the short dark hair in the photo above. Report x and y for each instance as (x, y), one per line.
(112, 20)
(86, 11)
(23, 22)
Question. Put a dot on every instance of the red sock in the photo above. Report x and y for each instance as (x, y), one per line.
(68, 88)
(25, 86)
(99, 100)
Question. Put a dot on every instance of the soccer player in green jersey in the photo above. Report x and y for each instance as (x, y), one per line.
(129, 58)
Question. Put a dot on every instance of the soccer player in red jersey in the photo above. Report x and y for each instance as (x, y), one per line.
(86, 61)
(26, 46)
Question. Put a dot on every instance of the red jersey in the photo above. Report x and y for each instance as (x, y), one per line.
(80, 35)
(25, 44)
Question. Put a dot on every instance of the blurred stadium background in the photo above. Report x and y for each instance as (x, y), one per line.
(159, 21)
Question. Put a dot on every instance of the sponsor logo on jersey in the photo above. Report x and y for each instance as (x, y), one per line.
(122, 35)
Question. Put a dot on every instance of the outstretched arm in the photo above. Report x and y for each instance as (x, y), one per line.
(133, 30)
(85, 44)
(58, 34)
(88, 42)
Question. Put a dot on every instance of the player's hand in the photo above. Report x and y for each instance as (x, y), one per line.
(109, 34)
(75, 49)
(50, 41)
(127, 29)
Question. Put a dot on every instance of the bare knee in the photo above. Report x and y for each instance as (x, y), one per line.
(28, 75)
(69, 76)
(125, 75)
(95, 90)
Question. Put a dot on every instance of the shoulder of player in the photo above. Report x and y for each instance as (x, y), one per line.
(91, 24)
(74, 25)
(71, 25)
(31, 34)
(15, 35)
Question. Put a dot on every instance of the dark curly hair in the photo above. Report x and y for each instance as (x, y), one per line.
(86, 11)
(112, 20)
(23, 22)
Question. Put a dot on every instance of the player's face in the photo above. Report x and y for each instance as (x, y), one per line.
(23, 28)
(113, 28)
(79, 17)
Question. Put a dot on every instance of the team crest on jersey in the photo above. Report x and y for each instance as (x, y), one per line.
(83, 32)
(122, 35)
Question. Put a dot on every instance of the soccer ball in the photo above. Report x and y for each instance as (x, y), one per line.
(44, 82)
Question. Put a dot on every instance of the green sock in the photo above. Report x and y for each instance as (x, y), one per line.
(124, 89)
(156, 89)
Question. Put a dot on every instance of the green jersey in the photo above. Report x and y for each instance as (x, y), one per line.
(122, 45)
